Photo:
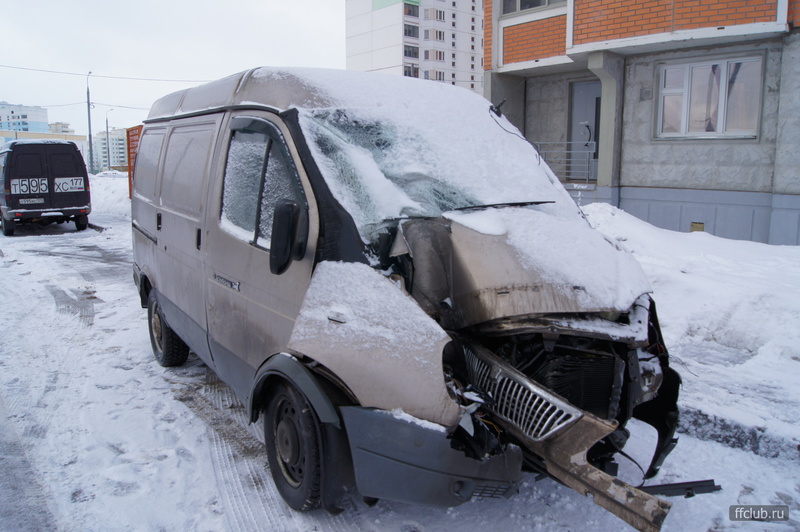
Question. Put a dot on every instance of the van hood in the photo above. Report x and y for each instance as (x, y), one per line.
(496, 263)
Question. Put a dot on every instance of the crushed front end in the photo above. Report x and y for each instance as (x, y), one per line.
(541, 364)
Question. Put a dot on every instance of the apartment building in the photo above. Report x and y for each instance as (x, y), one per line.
(685, 113)
(440, 40)
(110, 149)
(26, 118)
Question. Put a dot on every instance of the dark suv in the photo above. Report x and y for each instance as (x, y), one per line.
(44, 181)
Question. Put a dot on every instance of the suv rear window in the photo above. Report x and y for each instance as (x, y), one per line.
(63, 165)
(29, 164)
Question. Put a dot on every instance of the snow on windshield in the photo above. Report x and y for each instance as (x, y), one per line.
(391, 147)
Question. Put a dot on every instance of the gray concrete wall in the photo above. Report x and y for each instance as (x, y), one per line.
(729, 214)
(548, 101)
(744, 165)
(787, 153)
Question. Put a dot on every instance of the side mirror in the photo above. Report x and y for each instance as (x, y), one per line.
(288, 236)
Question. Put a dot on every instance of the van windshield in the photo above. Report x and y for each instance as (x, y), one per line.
(385, 163)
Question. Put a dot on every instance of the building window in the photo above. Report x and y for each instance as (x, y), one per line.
(411, 10)
(410, 70)
(710, 99)
(411, 30)
(437, 14)
(512, 6)
(434, 55)
(411, 51)
(437, 35)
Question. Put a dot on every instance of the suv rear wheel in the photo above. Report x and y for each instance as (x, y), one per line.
(81, 222)
(8, 226)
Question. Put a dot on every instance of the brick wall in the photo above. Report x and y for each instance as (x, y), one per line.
(599, 20)
(488, 32)
(535, 40)
(794, 13)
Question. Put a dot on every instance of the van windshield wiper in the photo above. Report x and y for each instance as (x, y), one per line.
(502, 205)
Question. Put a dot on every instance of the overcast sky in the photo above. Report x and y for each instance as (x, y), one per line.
(198, 40)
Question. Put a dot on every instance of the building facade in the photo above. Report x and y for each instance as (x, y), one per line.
(24, 118)
(685, 113)
(440, 40)
(115, 158)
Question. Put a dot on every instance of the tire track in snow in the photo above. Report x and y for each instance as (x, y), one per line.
(250, 498)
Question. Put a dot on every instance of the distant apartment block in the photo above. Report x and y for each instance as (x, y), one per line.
(23, 118)
(685, 113)
(111, 153)
(440, 40)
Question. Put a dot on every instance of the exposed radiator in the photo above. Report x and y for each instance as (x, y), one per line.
(531, 409)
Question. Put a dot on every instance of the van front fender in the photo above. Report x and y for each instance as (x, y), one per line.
(289, 368)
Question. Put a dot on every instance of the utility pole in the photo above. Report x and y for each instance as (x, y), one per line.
(89, 114)
(108, 144)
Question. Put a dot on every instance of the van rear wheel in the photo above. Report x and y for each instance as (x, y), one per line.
(168, 348)
(8, 226)
(81, 222)
(292, 438)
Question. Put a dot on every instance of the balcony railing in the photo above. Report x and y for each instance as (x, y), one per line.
(570, 161)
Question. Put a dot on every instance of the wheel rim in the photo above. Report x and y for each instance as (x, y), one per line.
(289, 443)
(155, 325)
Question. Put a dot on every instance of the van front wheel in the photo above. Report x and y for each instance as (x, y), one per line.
(292, 437)
(168, 348)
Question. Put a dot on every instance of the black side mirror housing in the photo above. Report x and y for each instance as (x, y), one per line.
(289, 228)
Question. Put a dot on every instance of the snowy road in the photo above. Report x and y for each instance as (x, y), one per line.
(94, 435)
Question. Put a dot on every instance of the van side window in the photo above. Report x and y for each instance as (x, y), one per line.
(281, 183)
(258, 166)
(29, 165)
(147, 164)
(242, 181)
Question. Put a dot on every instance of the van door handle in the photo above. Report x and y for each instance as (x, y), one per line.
(197, 240)
(158, 222)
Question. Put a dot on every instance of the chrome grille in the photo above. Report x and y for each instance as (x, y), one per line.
(531, 409)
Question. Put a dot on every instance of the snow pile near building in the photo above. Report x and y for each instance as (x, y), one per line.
(110, 194)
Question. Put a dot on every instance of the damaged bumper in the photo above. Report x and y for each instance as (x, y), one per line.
(561, 435)
(400, 460)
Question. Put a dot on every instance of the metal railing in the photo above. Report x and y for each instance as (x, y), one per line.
(570, 161)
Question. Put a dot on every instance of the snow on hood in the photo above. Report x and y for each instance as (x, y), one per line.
(564, 252)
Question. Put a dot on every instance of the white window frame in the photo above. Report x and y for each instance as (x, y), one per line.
(547, 5)
(684, 92)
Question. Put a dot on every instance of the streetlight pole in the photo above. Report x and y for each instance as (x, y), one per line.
(89, 115)
(108, 144)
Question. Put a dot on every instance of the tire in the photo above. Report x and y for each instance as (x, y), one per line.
(293, 447)
(8, 226)
(81, 222)
(168, 349)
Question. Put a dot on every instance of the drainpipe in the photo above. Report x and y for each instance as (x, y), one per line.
(610, 69)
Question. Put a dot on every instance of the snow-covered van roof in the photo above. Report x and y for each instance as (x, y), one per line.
(8, 145)
(279, 89)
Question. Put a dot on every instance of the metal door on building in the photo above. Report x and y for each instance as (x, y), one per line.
(584, 126)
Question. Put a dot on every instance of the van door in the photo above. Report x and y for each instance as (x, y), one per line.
(179, 217)
(251, 312)
(69, 183)
(28, 183)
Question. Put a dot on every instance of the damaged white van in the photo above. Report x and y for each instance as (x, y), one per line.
(385, 271)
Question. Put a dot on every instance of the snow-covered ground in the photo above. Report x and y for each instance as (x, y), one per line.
(94, 435)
